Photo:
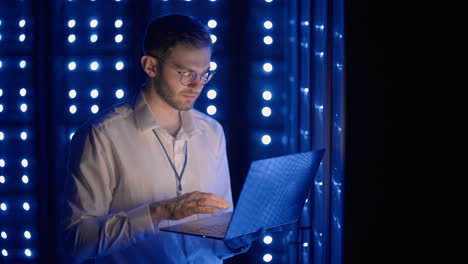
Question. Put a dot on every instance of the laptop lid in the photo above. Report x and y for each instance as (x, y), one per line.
(274, 192)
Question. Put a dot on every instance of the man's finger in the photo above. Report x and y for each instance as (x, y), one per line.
(204, 202)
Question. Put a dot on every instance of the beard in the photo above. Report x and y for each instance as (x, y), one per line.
(170, 97)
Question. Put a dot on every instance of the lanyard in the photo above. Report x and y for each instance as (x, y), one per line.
(178, 176)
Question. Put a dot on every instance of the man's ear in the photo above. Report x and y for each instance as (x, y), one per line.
(149, 65)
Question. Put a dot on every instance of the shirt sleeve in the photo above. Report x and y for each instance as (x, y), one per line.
(89, 230)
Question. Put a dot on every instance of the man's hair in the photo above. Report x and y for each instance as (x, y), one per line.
(166, 32)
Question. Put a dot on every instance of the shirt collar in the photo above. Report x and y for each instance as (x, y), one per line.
(145, 119)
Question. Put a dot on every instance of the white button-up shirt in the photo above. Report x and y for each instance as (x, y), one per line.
(117, 167)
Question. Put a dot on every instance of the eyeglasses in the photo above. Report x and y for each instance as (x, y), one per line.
(187, 78)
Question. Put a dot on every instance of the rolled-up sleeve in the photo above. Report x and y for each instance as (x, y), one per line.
(89, 229)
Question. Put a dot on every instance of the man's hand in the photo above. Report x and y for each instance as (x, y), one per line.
(187, 205)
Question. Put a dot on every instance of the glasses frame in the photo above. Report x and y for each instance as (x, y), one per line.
(189, 74)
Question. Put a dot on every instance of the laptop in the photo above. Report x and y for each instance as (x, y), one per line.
(273, 195)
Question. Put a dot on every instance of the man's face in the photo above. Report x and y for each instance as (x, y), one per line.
(167, 82)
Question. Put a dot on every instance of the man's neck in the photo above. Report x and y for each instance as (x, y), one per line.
(168, 117)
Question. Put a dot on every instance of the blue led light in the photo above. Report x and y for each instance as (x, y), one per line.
(267, 67)
(267, 257)
(266, 140)
(118, 23)
(1, 108)
(27, 234)
(4, 252)
(24, 163)
(71, 23)
(118, 38)
(93, 38)
(2, 163)
(268, 40)
(27, 252)
(4, 235)
(72, 93)
(24, 107)
(71, 38)
(24, 135)
(94, 66)
(94, 109)
(3, 207)
(72, 109)
(26, 206)
(25, 179)
(1, 64)
(22, 23)
(22, 64)
(72, 66)
(267, 95)
(22, 92)
(213, 65)
(267, 240)
(268, 24)
(119, 65)
(266, 111)
(213, 38)
(211, 110)
(212, 23)
(2, 179)
(119, 93)
(21, 37)
(93, 23)
(71, 135)
(94, 93)
(2, 136)
(211, 94)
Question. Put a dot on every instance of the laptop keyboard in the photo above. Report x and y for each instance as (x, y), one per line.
(217, 229)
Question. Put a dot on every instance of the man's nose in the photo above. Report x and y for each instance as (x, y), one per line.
(197, 84)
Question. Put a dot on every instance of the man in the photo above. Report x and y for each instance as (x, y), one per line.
(152, 162)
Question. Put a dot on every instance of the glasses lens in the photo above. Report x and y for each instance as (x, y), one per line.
(207, 76)
(188, 77)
